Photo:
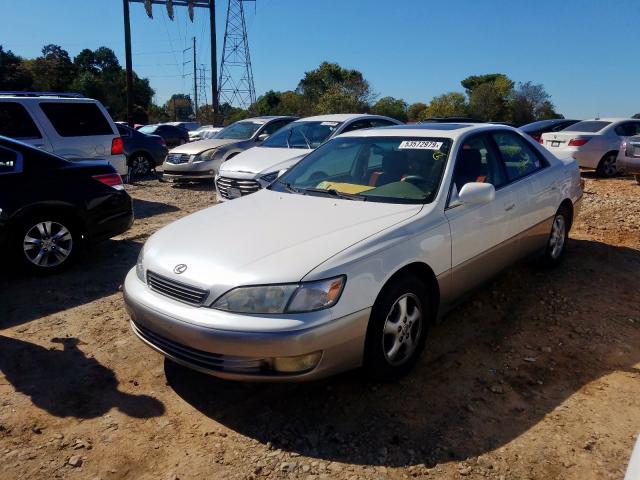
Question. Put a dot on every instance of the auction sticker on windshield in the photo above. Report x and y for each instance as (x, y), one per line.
(419, 145)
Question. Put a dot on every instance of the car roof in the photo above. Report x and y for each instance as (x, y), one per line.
(446, 130)
(339, 117)
(609, 119)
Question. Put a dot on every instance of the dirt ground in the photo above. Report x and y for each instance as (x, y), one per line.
(537, 376)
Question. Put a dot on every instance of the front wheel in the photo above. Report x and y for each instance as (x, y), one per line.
(47, 243)
(607, 167)
(397, 329)
(558, 238)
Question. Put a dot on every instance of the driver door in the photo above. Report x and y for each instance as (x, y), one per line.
(483, 236)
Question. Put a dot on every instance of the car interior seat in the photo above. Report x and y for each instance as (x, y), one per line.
(470, 168)
(394, 166)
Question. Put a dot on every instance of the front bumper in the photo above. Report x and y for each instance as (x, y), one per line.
(243, 355)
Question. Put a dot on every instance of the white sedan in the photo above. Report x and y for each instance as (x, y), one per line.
(348, 257)
(593, 143)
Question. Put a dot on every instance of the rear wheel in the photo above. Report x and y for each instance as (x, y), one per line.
(607, 166)
(140, 165)
(397, 329)
(47, 243)
(558, 238)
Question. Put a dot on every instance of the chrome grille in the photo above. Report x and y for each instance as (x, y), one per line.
(178, 158)
(176, 290)
(245, 187)
(199, 358)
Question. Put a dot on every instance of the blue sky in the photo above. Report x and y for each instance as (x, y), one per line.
(583, 51)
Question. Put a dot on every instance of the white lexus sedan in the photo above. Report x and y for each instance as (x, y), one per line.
(348, 258)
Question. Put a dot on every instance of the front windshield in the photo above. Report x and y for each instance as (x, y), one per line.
(240, 130)
(383, 169)
(148, 129)
(301, 135)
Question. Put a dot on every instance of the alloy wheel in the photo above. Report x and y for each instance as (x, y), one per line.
(557, 238)
(47, 244)
(402, 329)
(609, 167)
(140, 165)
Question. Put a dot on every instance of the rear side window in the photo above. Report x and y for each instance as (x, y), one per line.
(15, 122)
(591, 126)
(628, 129)
(519, 158)
(76, 119)
(9, 161)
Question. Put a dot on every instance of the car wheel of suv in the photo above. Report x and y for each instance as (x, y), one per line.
(558, 238)
(47, 243)
(140, 165)
(397, 329)
(607, 166)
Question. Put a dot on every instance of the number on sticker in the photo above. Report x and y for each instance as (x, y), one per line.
(419, 145)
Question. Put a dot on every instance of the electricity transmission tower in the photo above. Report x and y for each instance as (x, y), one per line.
(236, 77)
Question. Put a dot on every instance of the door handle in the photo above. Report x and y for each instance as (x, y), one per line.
(510, 207)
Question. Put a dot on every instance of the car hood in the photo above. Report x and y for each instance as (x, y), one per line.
(194, 148)
(266, 237)
(262, 159)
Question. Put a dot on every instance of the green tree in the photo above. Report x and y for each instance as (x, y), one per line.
(415, 112)
(179, 107)
(530, 102)
(13, 74)
(503, 83)
(391, 107)
(53, 70)
(330, 85)
(452, 104)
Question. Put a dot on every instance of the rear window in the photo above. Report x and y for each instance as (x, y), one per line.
(15, 122)
(588, 126)
(532, 127)
(76, 119)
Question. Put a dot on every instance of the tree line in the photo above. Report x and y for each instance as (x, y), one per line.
(329, 88)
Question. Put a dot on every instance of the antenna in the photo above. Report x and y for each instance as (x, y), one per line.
(236, 76)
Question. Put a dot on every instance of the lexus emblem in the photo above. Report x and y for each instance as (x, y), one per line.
(180, 268)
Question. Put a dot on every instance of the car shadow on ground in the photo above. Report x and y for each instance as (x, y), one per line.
(493, 369)
(146, 208)
(100, 271)
(66, 383)
(205, 186)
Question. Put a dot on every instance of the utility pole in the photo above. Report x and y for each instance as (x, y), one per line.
(195, 81)
(127, 49)
(217, 117)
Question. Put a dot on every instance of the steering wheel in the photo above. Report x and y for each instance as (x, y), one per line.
(414, 179)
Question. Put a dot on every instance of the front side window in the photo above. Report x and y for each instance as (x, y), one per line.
(382, 169)
(274, 126)
(15, 122)
(76, 119)
(240, 130)
(357, 125)
(477, 161)
(379, 122)
(519, 158)
(302, 135)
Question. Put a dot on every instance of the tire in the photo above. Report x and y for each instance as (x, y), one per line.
(140, 165)
(637, 178)
(558, 238)
(607, 166)
(397, 329)
(47, 243)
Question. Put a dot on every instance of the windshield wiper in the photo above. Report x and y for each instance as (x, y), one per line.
(335, 193)
(288, 187)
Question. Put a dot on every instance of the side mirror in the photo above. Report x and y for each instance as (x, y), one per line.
(476, 193)
(262, 137)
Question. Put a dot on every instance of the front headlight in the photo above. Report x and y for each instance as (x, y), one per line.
(205, 156)
(140, 266)
(269, 177)
(289, 298)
